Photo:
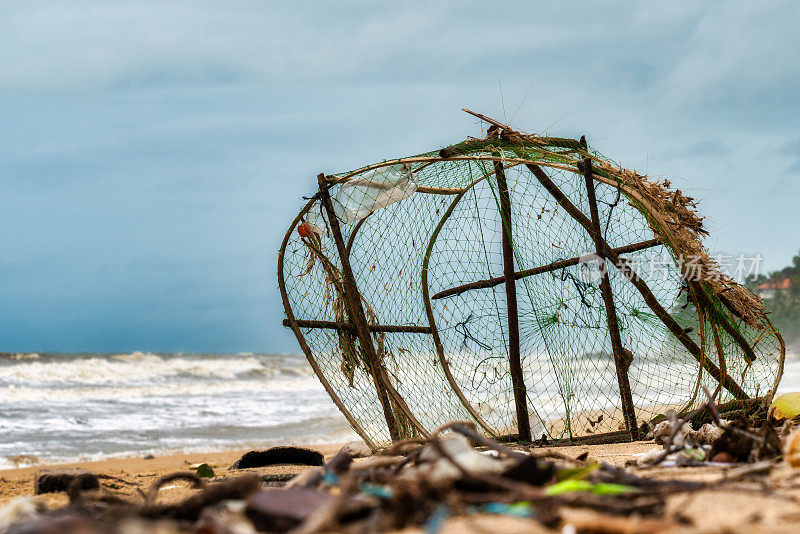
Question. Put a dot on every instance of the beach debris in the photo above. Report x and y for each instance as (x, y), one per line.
(284, 510)
(277, 479)
(600, 488)
(277, 456)
(736, 441)
(456, 477)
(723, 457)
(707, 434)
(66, 523)
(650, 457)
(52, 480)
(487, 523)
(18, 509)
(356, 449)
(204, 471)
(591, 521)
(313, 477)
(721, 441)
(532, 470)
(359, 197)
(236, 488)
(678, 440)
(228, 517)
(663, 431)
(445, 475)
(280, 510)
(452, 456)
(783, 407)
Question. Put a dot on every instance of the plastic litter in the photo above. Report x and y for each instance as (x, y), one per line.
(786, 406)
(441, 470)
(357, 198)
(601, 488)
(437, 519)
(517, 509)
(204, 471)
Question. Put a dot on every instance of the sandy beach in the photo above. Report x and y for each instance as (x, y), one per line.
(139, 472)
(142, 471)
(750, 507)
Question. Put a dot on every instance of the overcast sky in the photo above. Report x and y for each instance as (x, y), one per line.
(153, 153)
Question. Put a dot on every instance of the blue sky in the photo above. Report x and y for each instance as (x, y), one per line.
(152, 153)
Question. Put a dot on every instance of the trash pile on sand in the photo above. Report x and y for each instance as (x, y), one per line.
(456, 480)
(723, 441)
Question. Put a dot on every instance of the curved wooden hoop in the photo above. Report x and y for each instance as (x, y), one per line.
(352, 237)
(435, 159)
(437, 342)
(697, 292)
(302, 340)
(393, 392)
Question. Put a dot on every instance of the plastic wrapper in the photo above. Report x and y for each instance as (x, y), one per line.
(357, 198)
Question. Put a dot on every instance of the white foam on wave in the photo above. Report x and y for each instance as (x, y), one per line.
(90, 406)
(15, 393)
(141, 367)
(162, 418)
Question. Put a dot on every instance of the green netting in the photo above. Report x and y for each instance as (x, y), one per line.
(448, 233)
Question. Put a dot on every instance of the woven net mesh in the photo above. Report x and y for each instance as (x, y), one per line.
(446, 232)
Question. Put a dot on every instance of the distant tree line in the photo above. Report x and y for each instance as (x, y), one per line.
(784, 306)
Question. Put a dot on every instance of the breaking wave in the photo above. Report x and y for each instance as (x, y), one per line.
(60, 407)
(139, 368)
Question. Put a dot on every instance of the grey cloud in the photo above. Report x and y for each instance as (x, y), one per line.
(153, 153)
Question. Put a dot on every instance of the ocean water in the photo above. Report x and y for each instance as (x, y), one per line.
(62, 407)
(66, 407)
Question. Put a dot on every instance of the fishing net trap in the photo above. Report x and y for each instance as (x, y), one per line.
(522, 282)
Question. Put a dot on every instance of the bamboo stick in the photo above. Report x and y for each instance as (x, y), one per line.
(555, 266)
(333, 325)
(621, 361)
(356, 312)
(514, 357)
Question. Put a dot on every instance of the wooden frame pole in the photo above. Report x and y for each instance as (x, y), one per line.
(550, 267)
(356, 311)
(333, 325)
(621, 360)
(514, 358)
